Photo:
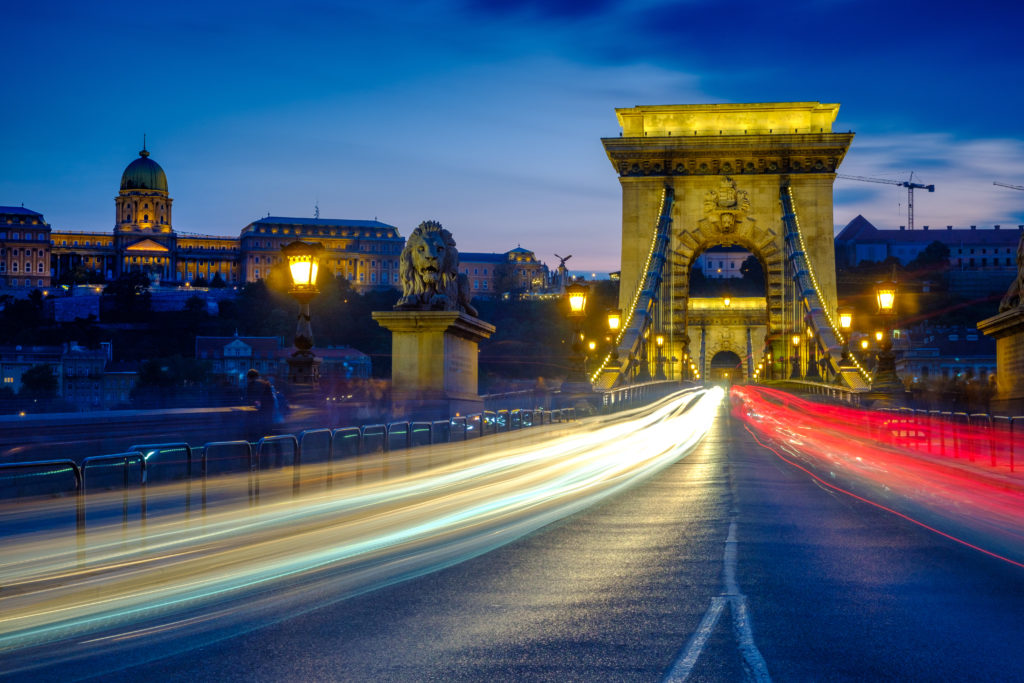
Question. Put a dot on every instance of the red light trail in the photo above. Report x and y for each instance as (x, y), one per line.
(953, 479)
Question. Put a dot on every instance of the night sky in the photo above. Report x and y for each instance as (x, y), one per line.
(487, 116)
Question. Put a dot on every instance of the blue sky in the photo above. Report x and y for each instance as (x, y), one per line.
(488, 116)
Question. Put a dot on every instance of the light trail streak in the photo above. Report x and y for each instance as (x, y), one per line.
(242, 565)
(898, 467)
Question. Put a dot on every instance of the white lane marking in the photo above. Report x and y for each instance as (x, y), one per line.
(754, 665)
(755, 668)
(684, 664)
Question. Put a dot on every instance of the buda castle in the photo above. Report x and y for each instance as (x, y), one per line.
(32, 254)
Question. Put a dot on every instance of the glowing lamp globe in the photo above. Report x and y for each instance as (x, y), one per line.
(885, 294)
(614, 319)
(660, 340)
(303, 263)
(845, 318)
(576, 293)
(796, 340)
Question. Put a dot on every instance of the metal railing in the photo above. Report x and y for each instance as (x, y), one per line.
(143, 465)
(991, 441)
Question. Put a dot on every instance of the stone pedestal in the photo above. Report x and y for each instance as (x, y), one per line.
(433, 362)
(1008, 330)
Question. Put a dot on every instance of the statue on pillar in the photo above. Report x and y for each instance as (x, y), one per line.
(429, 272)
(435, 331)
(1014, 297)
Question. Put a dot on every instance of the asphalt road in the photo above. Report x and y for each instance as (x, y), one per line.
(811, 585)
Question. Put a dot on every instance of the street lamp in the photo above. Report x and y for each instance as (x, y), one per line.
(303, 265)
(614, 317)
(845, 325)
(812, 356)
(659, 344)
(795, 339)
(576, 294)
(885, 383)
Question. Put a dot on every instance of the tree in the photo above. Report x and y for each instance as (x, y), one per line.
(932, 262)
(218, 282)
(505, 278)
(127, 298)
(38, 382)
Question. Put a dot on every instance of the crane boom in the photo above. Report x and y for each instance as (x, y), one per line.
(911, 186)
(1012, 187)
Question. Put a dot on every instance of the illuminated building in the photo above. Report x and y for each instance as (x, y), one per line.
(144, 240)
(24, 248)
(515, 270)
(364, 252)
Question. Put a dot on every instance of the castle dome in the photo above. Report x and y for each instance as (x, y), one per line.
(144, 174)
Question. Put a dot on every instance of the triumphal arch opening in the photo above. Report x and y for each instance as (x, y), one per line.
(757, 176)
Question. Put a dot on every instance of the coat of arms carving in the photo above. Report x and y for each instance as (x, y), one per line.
(725, 207)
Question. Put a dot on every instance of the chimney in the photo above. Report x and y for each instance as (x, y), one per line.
(903, 227)
(997, 227)
(974, 227)
(949, 227)
(926, 227)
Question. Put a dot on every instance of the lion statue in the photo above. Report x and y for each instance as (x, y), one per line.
(429, 271)
(1014, 296)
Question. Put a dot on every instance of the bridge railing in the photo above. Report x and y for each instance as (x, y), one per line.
(838, 392)
(339, 455)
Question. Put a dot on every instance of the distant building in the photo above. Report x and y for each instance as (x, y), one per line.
(364, 252)
(16, 360)
(944, 353)
(969, 248)
(144, 240)
(518, 269)
(24, 248)
(82, 371)
(231, 358)
(720, 262)
(86, 378)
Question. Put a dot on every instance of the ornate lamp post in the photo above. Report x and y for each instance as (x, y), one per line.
(845, 324)
(303, 264)
(614, 317)
(643, 371)
(795, 374)
(576, 294)
(885, 382)
(659, 344)
(812, 357)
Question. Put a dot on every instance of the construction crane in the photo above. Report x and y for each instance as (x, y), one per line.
(1012, 187)
(909, 184)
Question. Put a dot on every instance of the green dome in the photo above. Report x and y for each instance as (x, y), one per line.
(144, 174)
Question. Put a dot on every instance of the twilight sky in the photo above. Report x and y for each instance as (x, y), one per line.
(488, 116)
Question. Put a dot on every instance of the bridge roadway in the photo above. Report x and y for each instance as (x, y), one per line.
(729, 564)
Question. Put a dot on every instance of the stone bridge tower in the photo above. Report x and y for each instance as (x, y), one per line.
(727, 164)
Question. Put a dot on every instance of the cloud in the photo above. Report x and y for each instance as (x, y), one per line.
(962, 171)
